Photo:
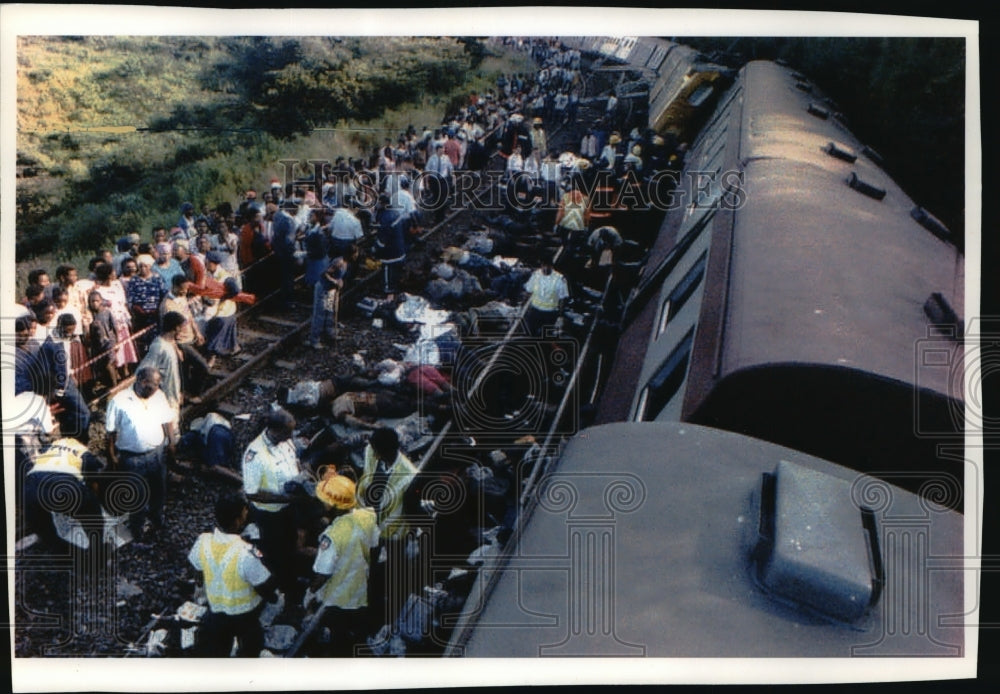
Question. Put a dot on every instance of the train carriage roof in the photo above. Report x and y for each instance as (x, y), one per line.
(640, 550)
(821, 273)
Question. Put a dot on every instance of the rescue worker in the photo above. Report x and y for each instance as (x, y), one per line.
(548, 291)
(58, 482)
(384, 486)
(268, 463)
(236, 583)
(573, 217)
(342, 563)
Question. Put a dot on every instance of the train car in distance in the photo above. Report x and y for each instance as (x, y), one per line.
(796, 294)
(691, 542)
(678, 84)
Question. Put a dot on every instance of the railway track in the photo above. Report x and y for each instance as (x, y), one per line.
(270, 340)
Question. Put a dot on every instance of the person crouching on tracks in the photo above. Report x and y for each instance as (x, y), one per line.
(236, 584)
(140, 427)
(268, 463)
(342, 563)
(59, 480)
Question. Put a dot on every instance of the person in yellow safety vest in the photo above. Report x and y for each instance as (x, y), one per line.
(573, 216)
(57, 482)
(385, 486)
(385, 481)
(341, 565)
(548, 292)
(236, 583)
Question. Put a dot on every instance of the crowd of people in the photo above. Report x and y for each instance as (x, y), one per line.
(164, 308)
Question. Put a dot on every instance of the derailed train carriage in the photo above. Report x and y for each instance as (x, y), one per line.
(778, 465)
(675, 84)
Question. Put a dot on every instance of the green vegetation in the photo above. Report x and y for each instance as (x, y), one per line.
(115, 132)
(905, 97)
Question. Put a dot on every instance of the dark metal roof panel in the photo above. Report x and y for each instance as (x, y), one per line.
(644, 48)
(636, 548)
(820, 273)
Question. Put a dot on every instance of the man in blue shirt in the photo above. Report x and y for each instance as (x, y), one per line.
(284, 236)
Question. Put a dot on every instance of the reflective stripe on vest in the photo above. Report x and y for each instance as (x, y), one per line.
(226, 590)
(63, 456)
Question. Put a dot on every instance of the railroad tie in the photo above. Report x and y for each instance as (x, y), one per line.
(284, 322)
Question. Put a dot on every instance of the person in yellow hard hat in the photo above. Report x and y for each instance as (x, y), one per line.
(236, 583)
(342, 563)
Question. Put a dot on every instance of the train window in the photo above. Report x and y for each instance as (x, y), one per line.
(700, 95)
(665, 383)
(654, 280)
(721, 114)
(713, 156)
(681, 293)
(693, 224)
(658, 55)
(657, 91)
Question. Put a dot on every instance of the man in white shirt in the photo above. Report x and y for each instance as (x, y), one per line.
(439, 185)
(140, 429)
(345, 229)
(268, 463)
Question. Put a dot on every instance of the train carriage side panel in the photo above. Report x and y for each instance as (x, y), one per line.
(811, 283)
(683, 221)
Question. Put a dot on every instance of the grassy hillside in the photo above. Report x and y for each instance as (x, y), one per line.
(115, 132)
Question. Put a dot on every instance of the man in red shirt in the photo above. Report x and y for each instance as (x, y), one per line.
(194, 270)
(453, 150)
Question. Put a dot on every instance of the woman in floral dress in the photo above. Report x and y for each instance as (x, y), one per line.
(111, 290)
